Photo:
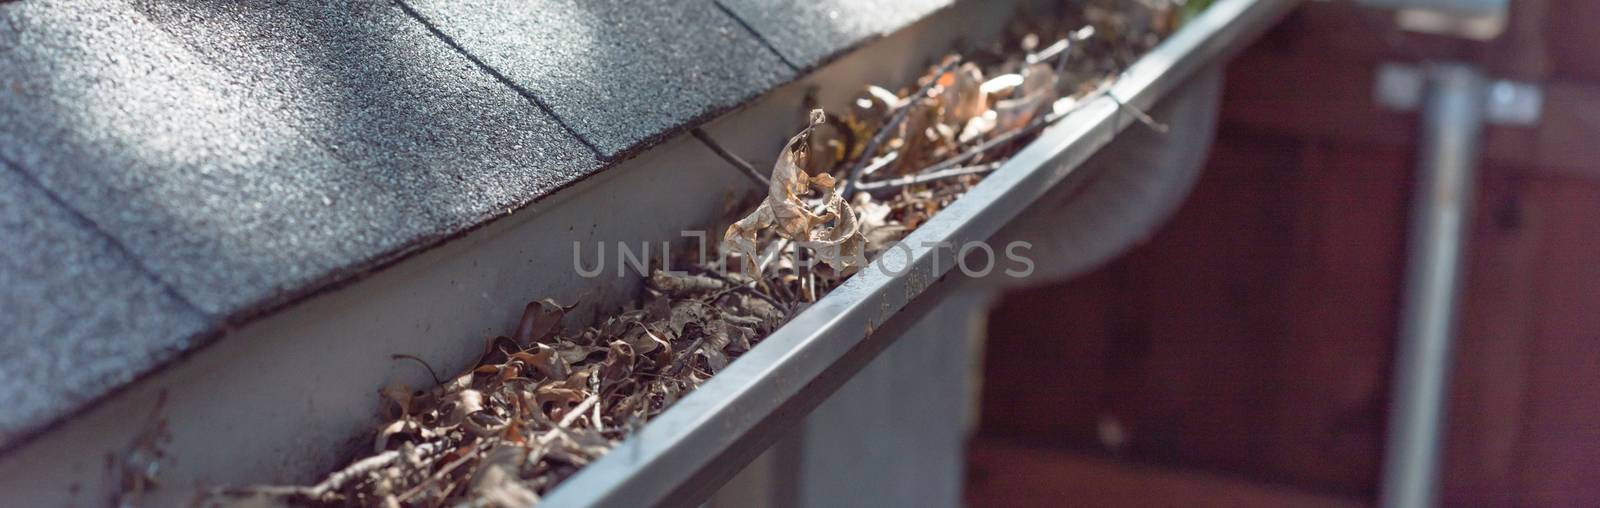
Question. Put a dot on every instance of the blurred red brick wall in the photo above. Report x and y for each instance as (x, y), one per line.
(1253, 336)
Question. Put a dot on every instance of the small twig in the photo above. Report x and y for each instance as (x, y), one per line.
(735, 160)
(888, 127)
(724, 292)
(567, 420)
(1139, 115)
(1008, 137)
(991, 144)
(808, 282)
(335, 481)
(872, 187)
(748, 288)
(442, 472)
(688, 353)
(767, 260)
(437, 503)
(403, 356)
(811, 287)
(1078, 35)
(879, 163)
(1051, 51)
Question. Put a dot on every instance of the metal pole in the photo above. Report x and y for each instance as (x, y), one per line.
(1452, 120)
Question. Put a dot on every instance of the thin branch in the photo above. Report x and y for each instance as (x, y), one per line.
(567, 420)
(888, 127)
(748, 287)
(1051, 51)
(548, 437)
(744, 167)
(688, 354)
(874, 187)
(991, 144)
(1139, 115)
(336, 481)
(880, 163)
(1008, 137)
(403, 356)
(444, 471)
(770, 257)
(1060, 48)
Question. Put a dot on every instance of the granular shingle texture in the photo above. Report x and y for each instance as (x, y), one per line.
(76, 309)
(258, 154)
(378, 90)
(194, 173)
(810, 32)
(619, 72)
(170, 168)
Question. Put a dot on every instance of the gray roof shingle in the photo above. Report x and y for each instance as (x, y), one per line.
(384, 95)
(76, 309)
(809, 33)
(193, 173)
(620, 73)
(246, 161)
(169, 167)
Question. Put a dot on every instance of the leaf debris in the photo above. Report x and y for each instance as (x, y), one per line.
(548, 399)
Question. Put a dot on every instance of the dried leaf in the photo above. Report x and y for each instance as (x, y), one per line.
(571, 352)
(1038, 92)
(396, 399)
(871, 110)
(458, 405)
(497, 483)
(839, 244)
(618, 364)
(396, 432)
(684, 313)
(544, 360)
(539, 320)
(543, 402)
(556, 394)
(712, 349)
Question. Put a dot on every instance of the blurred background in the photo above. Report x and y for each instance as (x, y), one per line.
(1243, 356)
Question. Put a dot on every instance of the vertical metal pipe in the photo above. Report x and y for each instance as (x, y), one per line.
(1452, 120)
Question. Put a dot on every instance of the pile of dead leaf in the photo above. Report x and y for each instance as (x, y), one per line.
(546, 400)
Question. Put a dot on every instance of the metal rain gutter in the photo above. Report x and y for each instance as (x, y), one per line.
(688, 451)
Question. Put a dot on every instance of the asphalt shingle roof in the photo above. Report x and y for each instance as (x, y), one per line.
(378, 91)
(808, 33)
(171, 167)
(617, 71)
(194, 173)
(77, 309)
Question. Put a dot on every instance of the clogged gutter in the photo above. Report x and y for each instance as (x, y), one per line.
(544, 401)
